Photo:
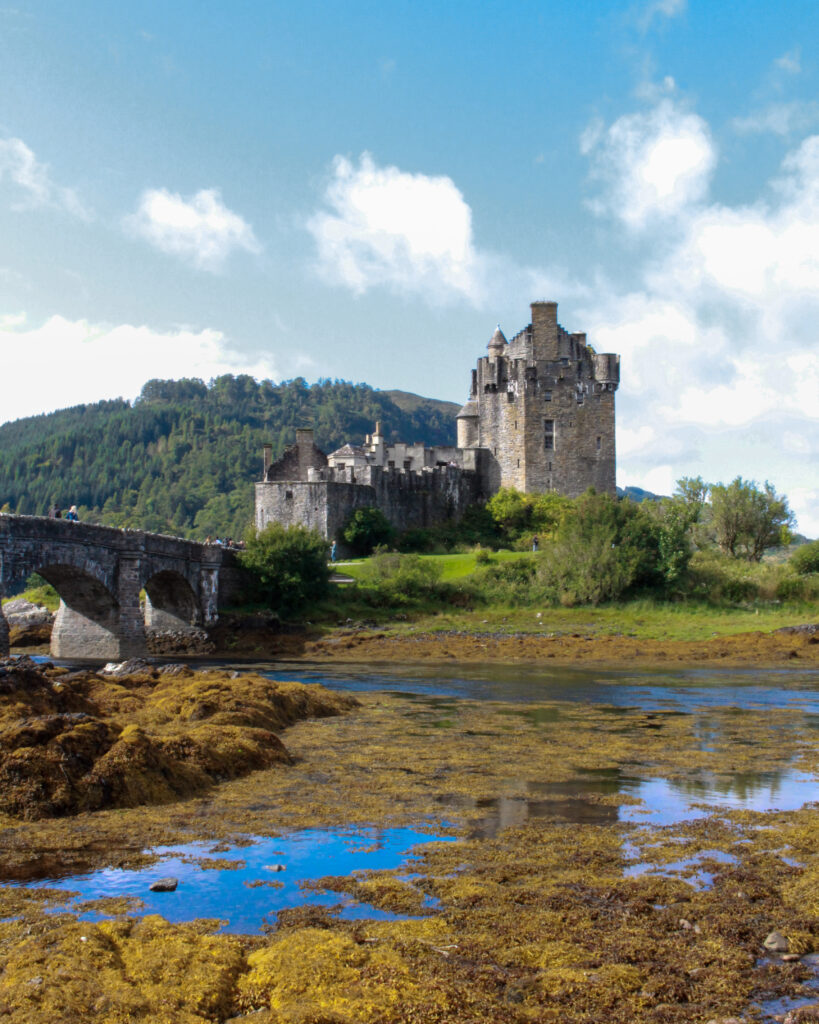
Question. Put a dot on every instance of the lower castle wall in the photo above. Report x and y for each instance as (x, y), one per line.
(408, 500)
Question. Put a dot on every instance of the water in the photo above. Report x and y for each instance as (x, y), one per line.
(311, 854)
(249, 895)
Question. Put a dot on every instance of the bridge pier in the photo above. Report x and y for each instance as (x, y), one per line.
(4, 635)
(93, 623)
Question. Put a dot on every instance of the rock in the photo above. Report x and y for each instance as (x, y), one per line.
(164, 884)
(802, 1015)
(126, 668)
(776, 942)
(20, 612)
(790, 958)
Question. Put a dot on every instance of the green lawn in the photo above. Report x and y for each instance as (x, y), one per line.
(453, 567)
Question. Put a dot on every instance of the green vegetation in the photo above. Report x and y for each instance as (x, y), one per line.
(805, 559)
(287, 568)
(747, 519)
(366, 529)
(183, 457)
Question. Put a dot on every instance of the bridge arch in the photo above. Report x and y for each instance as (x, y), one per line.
(87, 624)
(171, 603)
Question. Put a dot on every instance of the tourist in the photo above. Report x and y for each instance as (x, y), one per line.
(71, 514)
(54, 512)
(333, 551)
(535, 543)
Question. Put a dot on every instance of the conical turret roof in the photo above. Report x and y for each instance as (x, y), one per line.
(497, 342)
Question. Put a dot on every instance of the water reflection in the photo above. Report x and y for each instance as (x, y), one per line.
(254, 881)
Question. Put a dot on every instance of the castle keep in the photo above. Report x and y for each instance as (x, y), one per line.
(540, 417)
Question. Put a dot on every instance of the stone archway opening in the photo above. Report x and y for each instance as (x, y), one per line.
(171, 606)
(87, 625)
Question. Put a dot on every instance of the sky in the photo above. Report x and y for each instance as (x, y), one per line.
(362, 191)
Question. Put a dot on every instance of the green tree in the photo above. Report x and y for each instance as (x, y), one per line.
(747, 519)
(287, 566)
(366, 529)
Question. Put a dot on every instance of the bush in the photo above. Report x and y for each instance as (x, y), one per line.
(806, 558)
(287, 567)
(400, 579)
(367, 528)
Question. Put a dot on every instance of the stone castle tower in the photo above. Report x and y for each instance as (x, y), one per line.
(541, 406)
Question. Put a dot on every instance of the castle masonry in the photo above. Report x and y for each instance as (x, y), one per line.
(540, 417)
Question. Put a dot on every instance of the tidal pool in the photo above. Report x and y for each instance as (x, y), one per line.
(247, 885)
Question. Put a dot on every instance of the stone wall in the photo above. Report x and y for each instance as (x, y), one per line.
(407, 499)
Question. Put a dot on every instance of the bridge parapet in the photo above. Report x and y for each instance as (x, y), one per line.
(99, 571)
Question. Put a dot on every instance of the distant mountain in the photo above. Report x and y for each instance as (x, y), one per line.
(638, 494)
(183, 457)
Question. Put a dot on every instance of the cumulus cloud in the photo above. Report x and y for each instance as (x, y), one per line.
(89, 361)
(387, 227)
(30, 181)
(719, 348)
(651, 165)
(199, 229)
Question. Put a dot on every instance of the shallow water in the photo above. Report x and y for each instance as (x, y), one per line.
(266, 877)
(314, 853)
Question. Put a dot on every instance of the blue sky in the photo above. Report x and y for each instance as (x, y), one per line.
(362, 190)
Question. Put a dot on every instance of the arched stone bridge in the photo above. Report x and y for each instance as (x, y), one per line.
(99, 573)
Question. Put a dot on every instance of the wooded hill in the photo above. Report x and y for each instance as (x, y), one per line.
(183, 457)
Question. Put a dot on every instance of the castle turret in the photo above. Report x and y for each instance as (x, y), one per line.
(497, 344)
(469, 425)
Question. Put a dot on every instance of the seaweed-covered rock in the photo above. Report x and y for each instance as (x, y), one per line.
(80, 741)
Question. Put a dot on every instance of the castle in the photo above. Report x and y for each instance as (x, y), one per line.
(540, 417)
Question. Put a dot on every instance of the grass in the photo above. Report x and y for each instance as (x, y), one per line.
(453, 567)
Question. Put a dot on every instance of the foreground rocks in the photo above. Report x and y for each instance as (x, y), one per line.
(80, 741)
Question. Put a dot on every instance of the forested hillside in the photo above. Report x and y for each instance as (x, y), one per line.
(183, 458)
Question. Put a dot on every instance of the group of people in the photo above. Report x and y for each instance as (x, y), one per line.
(225, 542)
(55, 512)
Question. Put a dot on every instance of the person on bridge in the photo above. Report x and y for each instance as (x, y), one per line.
(72, 514)
(54, 512)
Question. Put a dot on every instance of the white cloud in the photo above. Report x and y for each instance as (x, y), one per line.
(660, 9)
(199, 229)
(791, 62)
(719, 344)
(31, 183)
(61, 362)
(652, 165)
(783, 118)
(387, 227)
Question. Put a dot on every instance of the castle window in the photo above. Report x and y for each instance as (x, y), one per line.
(549, 435)
(391, 464)
(510, 394)
(407, 463)
(288, 495)
(516, 424)
(565, 360)
(547, 396)
(599, 440)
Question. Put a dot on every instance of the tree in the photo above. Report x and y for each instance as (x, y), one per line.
(747, 519)
(367, 528)
(287, 566)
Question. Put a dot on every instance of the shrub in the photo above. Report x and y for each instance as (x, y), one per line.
(367, 528)
(287, 567)
(400, 579)
(806, 558)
